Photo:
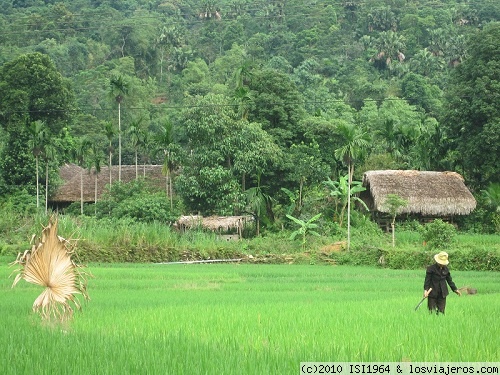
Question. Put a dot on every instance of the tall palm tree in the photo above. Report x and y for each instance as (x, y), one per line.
(258, 201)
(171, 153)
(492, 198)
(119, 88)
(390, 46)
(170, 38)
(137, 135)
(39, 135)
(242, 93)
(81, 153)
(355, 141)
(109, 129)
(49, 153)
(96, 157)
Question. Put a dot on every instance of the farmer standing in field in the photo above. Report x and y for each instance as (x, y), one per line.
(436, 277)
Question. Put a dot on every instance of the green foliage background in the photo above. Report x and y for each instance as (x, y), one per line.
(234, 97)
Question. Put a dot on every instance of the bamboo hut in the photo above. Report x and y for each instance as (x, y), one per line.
(429, 194)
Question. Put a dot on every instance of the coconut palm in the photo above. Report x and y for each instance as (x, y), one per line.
(355, 142)
(119, 88)
(49, 264)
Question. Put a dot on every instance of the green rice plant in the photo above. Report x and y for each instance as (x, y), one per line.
(248, 319)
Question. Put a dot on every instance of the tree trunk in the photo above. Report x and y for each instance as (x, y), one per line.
(351, 171)
(393, 234)
(37, 184)
(81, 192)
(46, 187)
(95, 194)
(110, 157)
(136, 166)
(119, 144)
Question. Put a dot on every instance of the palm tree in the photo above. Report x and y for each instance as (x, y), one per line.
(95, 162)
(492, 197)
(170, 38)
(39, 135)
(136, 134)
(119, 88)
(171, 154)
(81, 153)
(390, 46)
(109, 129)
(49, 153)
(242, 94)
(355, 142)
(258, 201)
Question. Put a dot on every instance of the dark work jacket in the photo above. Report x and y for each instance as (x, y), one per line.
(436, 278)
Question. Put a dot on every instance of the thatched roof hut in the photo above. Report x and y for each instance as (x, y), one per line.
(69, 191)
(435, 194)
(213, 223)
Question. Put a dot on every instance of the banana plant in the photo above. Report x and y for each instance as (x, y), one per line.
(339, 192)
(305, 228)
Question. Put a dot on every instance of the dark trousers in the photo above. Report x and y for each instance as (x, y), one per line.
(436, 304)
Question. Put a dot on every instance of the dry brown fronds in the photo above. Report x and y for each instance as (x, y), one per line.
(49, 263)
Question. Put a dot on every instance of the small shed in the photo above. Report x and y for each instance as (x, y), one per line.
(220, 224)
(429, 194)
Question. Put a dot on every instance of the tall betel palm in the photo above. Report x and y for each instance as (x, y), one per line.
(119, 88)
(172, 154)
(137, 136)
(355, 142)
(96, 158)
(39, 135)
(492, 198)
(109, 129)
(49, 154)
(81, 152)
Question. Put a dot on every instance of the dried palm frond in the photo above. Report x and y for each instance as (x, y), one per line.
(49, 263)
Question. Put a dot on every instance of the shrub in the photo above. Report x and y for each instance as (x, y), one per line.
(438, 234)
(135, 200)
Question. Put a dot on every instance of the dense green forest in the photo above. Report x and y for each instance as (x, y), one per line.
(251, 105)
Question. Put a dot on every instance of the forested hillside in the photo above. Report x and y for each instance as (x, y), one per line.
(242, 99)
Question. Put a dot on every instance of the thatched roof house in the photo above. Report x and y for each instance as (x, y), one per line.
(429, 194)
(70, 174)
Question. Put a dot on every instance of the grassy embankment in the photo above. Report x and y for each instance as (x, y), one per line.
(125, 241)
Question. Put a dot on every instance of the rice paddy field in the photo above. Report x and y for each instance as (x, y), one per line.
(247, 319)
